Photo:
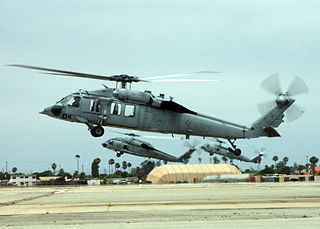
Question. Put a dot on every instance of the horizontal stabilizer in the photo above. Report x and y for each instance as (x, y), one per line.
(271, 132)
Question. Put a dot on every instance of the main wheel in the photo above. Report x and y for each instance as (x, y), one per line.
(97, 131)
(237, 152)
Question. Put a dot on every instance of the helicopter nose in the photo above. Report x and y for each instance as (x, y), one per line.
(104, 144)
(52, 110)
(46, 111)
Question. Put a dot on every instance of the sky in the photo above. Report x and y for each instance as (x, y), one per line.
(245, 40)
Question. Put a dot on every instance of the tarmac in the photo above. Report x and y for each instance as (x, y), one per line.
(217, 205)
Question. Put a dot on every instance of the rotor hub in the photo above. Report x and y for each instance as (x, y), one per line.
(282, 100)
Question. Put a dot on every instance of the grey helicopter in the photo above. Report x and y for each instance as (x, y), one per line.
(132, 145)
(228, 152)
(122, 107)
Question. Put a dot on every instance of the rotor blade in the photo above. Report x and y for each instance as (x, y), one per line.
(159, 137)
(293, 113)
(187, 144)
(272, 84)
(182, 80)
(63, 73)
(265, 107)
(199, 151)
(181, 75)
(196, 142)
(298, 86)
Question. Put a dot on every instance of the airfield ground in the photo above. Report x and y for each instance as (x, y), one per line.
(228, 205)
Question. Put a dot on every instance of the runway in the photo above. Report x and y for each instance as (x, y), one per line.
(241, 205)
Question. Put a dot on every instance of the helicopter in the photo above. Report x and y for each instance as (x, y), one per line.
(229, 153)
(122, 107)
(134, 146)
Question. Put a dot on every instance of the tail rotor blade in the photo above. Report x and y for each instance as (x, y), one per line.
(293, 113)
(264, 107)
(272, 84)
(298, 86)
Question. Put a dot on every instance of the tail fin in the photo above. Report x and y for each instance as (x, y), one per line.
(265, 125)
(257, 159)
(186, 156)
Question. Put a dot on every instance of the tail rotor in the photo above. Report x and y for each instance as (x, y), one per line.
(273, 86)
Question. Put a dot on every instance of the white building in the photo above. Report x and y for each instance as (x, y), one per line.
(23, 180)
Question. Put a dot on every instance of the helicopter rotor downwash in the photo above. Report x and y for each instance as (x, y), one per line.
(141, 110)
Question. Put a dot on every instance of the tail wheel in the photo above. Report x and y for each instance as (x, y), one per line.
(118, 154)
(97, 131)
(237, 152)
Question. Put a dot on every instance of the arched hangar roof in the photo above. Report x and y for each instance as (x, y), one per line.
(188, 173)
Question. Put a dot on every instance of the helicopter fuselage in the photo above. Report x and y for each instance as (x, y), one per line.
(124, 108)
(137, 147)
(229, 153)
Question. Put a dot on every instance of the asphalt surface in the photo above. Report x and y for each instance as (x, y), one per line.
(238, 205)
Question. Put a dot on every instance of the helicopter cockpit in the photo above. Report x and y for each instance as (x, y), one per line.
(70, 100)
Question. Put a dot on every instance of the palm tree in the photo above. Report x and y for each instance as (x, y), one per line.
(225, 159)
(313, 161)
(117, 165)
(111, 162)
(300, 168)
(199, 159)
(216, 160)
(14, 169)
(275, 158)
(285, 160)
(77, 158)
(129, 166)
(124, 165)
(54, 166)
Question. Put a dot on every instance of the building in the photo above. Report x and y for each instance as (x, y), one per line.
(23, 180)
(188, 173)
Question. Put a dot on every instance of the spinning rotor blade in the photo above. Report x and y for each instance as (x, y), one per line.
(182, 80)
(293, 113)
(298, 86)
(272, 84)
(264, 107)
(58, 72)
(180, 75)
(51, 71)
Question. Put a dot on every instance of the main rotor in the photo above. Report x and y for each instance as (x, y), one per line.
(123, 79)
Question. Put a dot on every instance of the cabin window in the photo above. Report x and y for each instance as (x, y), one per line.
(98, 106)
(129, 111)
(115, 109)
(92, 102)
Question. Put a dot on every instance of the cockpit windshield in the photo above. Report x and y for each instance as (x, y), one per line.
(74, 101)
(65, 100)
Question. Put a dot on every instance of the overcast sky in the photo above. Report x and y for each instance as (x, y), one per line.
(246, 40)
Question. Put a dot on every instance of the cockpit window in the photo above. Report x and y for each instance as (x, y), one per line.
(64, 100)
(110, 142)
(74, 101)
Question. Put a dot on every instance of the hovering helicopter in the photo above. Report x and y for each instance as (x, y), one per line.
(134, 146)
(138, 110)
(229, 153)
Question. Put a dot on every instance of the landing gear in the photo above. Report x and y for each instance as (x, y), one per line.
(235, 150)
(97, 131)
(118, 154)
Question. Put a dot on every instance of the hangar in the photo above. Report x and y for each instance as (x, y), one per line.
(166, 174)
